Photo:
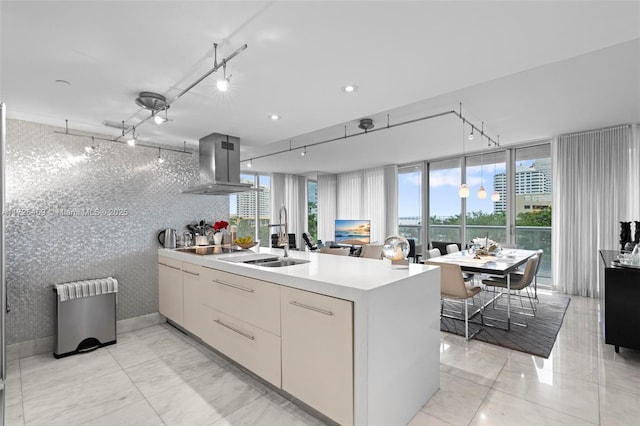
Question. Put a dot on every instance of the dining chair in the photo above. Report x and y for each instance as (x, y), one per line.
(309, 242)
(412, 249)
(336, 251)
(519, 282)
(520, 271)
(452, 248)
(453, 286)
(433, 253)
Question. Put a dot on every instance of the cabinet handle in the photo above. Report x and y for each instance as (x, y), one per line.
(239, 287)
(248, 336)
(168, 266)
(312, 308)
(192, 273)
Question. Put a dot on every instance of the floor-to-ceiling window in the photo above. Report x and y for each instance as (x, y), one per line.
(312, 208)
(444, 203)
(486, 213)
(410, 203)
(532, 207)
(246, 209)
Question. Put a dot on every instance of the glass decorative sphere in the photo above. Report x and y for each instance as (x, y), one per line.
(395, 248)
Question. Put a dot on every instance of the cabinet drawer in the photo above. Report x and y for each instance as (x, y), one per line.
(253, 301)
(250, 346)
(317, 352)
(170, 292)
(171, 263)
(194, 311)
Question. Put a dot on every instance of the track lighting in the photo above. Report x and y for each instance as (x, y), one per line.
(223, 85)
(160, 159)
(132, 141)
(89, 149)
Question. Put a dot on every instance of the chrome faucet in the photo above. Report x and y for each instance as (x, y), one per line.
(283, 238)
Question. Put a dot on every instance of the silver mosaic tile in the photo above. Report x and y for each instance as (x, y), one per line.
(73, 215)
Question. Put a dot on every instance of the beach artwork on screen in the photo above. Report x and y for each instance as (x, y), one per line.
(353, 231)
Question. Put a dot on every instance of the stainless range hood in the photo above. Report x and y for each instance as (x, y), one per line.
(219, 166)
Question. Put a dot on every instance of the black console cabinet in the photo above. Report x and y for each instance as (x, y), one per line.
(620, 303)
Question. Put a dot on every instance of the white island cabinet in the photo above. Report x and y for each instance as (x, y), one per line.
(355, 339)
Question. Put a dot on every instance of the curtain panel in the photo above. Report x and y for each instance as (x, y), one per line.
(290, 191)
(327, 208)
(595, 177)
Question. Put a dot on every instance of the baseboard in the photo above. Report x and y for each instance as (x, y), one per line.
(45, 344)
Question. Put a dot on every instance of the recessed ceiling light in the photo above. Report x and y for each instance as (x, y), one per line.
(63, 82)
(350, 88)
(275, 117)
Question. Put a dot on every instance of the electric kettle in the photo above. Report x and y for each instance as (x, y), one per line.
(167, 238)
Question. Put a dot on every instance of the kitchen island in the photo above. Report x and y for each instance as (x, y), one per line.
(353, 338)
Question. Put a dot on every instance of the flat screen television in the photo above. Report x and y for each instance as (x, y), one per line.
(353, 231)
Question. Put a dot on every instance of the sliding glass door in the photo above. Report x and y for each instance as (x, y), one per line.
(410, 203)
(251, 211)
(445, 223)
(486, 213)
(532, 207)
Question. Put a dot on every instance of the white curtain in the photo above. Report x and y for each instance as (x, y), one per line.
(290, 191)
(391, 200)
(370, 194)
(373, 202)
(327, 209)
(349, 197)
(595, 176)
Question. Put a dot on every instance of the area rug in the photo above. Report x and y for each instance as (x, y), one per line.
(536, 339)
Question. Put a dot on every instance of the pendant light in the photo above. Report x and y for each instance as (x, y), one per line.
(495, 196)
(463, 192)
(160, 159)
(482, 193)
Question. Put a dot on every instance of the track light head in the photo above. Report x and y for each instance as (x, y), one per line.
(133, 139)
(223, 85)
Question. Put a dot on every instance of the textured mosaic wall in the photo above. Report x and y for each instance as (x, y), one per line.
(73, 215)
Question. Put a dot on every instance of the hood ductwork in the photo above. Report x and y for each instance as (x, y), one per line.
(219, 166)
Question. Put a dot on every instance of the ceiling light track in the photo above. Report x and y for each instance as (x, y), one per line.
(388, 126)
(216, 67)
(94, 138)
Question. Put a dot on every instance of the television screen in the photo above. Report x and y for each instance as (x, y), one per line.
(353, 231)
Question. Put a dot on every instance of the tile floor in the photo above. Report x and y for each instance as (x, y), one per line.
(158, 376)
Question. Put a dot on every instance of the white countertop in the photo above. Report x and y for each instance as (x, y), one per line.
(346, 277)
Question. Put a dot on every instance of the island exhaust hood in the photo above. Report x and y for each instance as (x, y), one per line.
(219, 166)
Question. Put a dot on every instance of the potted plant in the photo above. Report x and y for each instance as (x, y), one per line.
(217, 231)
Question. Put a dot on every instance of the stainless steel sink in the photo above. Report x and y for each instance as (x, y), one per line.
(269, 261)
(282, 262)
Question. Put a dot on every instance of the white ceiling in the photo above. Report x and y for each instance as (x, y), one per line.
(529, 70)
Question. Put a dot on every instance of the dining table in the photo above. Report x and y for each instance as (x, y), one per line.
(502, 264)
